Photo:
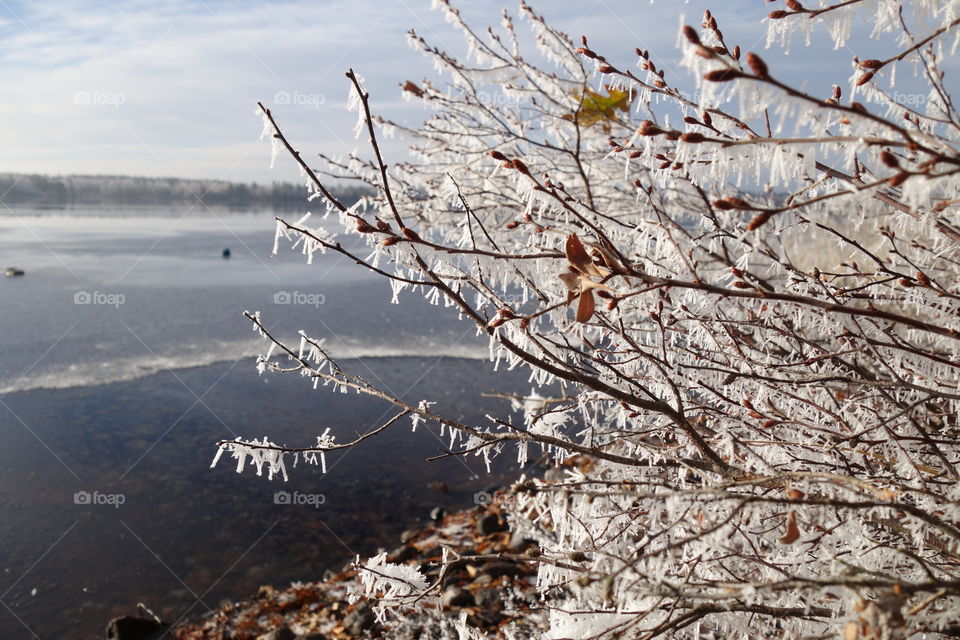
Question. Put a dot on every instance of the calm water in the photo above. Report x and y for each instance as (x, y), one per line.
(124, 356)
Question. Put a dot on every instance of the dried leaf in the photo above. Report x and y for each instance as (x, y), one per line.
(611, 262)
(793, 531)
(586, 306)
(577, 282)
(413, 88)
(580, 260)
(596, 108)
(586, 284)
(576, 254)
(572, 280)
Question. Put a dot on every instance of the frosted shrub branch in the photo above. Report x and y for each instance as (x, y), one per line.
(747, 296)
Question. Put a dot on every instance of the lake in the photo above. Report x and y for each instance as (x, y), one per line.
(124, 356)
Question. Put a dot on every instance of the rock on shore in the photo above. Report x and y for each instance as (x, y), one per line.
(491, 584)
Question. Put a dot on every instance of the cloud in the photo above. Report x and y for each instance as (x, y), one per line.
(170, 88)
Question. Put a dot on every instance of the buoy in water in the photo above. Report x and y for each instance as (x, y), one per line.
(226, 252)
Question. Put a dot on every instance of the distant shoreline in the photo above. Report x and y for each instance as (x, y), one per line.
(44, 191)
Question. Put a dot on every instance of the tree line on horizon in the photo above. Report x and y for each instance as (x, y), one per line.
(55, 191)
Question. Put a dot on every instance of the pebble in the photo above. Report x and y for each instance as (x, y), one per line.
(457, 597)
(404, 554)
(359, 620)
(519, 543)
(490, 524)
(433, 551)
(129, 628)
(555, 475)
(499, 568)
(280, 633)
(476, 586)
(488, 598)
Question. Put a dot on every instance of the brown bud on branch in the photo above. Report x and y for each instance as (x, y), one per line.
(704, 52)
(693, 137)
(759, 220)
(757, 65)
(725, 204)
(648, 128)
(898, 179)
(521, 167)
(723, 75)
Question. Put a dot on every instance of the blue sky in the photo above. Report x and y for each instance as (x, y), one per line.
(169, 88)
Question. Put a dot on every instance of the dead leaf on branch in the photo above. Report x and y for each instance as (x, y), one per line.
(586, 306)
(580, 260)
(413, 88)
(578, 280)
(606, 258)
(596, 108)
(792, 533)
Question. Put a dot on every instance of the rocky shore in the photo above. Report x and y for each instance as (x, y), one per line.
(488, 584)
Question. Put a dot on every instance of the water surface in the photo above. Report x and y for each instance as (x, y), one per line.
(124, 356)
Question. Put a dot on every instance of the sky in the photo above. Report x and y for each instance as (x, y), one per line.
(169, 88)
